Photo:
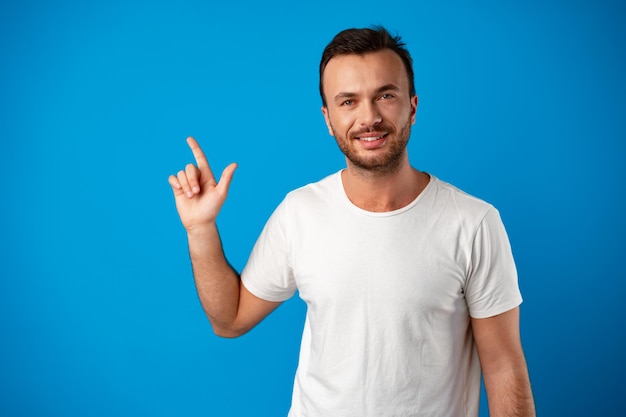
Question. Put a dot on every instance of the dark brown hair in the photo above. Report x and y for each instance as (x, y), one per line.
(362, 41)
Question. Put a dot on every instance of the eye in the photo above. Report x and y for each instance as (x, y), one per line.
(347, 102)
(387, 96)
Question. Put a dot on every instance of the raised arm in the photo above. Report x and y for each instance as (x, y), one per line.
(504, 366)
(230, 307)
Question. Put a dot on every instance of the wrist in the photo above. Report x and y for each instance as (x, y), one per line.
(200, 231)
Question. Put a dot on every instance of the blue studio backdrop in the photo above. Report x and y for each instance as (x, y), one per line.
(521, 104)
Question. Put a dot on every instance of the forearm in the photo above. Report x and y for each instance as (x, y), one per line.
(509, 393)
(217, 283)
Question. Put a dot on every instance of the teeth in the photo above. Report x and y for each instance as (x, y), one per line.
(371, 139)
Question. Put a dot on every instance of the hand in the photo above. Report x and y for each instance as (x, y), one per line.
(198, 197)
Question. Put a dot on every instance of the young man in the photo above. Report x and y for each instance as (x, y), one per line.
(410, 283)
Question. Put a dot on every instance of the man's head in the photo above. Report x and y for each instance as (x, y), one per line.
(369, 99)
(363, 41)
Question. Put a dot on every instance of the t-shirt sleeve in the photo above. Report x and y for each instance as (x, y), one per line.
(268, 273)
(492, 284)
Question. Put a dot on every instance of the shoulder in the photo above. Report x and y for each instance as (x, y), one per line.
(449, 199)
(308, 201)
(324, 190)
(459, 198)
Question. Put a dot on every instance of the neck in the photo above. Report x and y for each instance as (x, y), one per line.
(381, 192)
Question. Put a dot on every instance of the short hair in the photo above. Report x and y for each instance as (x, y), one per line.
(362, 41)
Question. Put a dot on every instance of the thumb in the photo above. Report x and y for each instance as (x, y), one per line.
(226, 177)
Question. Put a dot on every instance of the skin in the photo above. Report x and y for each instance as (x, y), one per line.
(367, 97)
(231, 309)
(503, 365)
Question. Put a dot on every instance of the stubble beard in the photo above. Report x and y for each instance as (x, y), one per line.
(383, 164)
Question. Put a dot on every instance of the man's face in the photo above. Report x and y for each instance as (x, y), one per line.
(368, 109)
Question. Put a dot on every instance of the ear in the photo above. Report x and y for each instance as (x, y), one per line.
(414, 102)
(327, 119)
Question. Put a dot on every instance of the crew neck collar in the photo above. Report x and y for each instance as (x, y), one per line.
(396, 212)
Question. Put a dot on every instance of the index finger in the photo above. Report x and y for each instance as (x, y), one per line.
(198, 154)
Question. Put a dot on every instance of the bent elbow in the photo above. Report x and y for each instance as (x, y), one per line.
(228, 332)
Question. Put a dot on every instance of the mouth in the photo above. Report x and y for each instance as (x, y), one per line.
(371, 137)
(372, 140)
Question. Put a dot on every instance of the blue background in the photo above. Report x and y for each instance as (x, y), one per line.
(521, 104)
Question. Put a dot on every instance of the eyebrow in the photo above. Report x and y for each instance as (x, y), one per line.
(346, 94)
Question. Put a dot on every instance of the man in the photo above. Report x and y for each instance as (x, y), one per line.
(409, 283)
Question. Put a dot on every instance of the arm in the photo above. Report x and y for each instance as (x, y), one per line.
(503, 365)
(232, 310)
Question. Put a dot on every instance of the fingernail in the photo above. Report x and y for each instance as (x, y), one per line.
(196, 190)
(189, 194)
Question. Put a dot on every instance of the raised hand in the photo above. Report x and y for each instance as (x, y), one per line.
(199, 197)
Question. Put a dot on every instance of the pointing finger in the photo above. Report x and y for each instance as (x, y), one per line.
(201, 160)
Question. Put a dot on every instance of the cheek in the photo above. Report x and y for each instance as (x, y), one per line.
(398, 117)
(341, 124)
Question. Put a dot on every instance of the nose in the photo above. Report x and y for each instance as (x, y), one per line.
(369, 114)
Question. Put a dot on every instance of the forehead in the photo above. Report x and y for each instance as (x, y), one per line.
(360, 73)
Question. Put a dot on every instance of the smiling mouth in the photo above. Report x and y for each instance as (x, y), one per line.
(372, 138)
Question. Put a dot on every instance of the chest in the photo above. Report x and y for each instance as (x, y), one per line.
(391, 266)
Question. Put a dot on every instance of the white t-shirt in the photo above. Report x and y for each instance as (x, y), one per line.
(389, 298)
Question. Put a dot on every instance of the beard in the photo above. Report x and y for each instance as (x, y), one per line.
(385, 162)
